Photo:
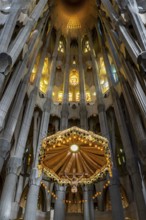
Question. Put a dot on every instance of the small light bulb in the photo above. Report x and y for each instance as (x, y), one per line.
(74, 148)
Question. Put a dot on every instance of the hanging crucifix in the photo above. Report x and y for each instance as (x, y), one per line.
(76, 177)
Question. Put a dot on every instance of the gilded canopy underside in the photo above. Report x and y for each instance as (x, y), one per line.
(89, 163)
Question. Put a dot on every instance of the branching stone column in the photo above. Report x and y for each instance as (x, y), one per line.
(136, 88)
(35, 177)
(135, 121)
(21, 69)
(17, 155)
(16, 159)
(26, 31)
(5, 38)
(136, 20)
(133, 113)
(11, 54)
(83, 110)
(131, 46)
(131, 163)
(117, 209)
(8, 29)
(31, 209)
(7, 133)
(138, 25)
(59, 210)
(65, 110)
(131, 76)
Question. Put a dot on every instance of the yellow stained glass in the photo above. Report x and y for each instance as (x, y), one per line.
(33, 75)
(45, 77)
(60, 96)
(103, 76)
(70, 97)
(88, 97)
(74, 78)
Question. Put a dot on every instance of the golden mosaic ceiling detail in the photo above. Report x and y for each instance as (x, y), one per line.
(89, 161)
(73, 20)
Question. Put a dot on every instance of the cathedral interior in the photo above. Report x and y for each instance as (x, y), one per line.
(73, 109)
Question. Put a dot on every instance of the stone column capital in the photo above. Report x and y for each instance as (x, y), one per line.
(14, 165)
(35, 177)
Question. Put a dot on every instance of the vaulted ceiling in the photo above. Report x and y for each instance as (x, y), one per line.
(76, 17)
